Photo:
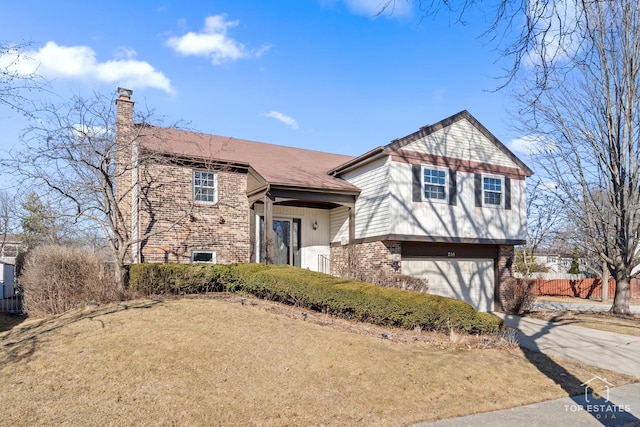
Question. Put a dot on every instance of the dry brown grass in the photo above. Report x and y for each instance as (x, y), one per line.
(604, 321)
(222, 362)
(622, 324)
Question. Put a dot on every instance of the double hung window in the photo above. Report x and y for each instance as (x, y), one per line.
(205, 186)
(492, 189)
(434, 183)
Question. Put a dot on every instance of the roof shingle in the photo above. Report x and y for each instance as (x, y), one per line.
(277, 164)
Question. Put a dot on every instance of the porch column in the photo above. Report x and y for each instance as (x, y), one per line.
(268, 229)
(352, 225)
(503, 266)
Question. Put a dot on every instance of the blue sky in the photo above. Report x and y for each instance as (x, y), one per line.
(319, 74)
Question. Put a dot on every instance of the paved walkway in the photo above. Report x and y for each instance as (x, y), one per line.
(623, 409)
(581, 306)
(600, 349)
(603, 349)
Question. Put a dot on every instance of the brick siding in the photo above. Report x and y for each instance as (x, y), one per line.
(366, 261)
(167, 198)
(504, 271)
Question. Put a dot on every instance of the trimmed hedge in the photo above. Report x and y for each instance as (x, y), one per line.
(316, 291)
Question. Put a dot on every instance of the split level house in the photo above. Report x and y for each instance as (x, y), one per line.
(445, 203)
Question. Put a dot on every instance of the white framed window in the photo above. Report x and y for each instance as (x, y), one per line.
(205, 186)
(492, 190)
(203, 257)
(434, 183)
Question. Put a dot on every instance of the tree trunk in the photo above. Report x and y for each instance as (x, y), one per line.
(122, 277)
(605, 282)
(621, 296)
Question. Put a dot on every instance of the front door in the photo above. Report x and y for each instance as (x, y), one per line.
(281, 242)
(286, 241)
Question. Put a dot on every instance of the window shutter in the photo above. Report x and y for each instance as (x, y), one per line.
(507, 193)
(416, 171)
(453, 188)
(477, 179)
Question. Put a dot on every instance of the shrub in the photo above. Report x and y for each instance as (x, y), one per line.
(59, 278)
(517, 295)
(320, 292)
(407, 283)
(179, 279)
(379, 277)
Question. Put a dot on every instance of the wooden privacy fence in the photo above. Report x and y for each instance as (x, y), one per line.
(581, 288)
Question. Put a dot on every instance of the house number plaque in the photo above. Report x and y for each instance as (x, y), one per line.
(451, 254)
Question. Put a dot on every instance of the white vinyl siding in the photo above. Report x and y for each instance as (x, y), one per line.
(462, 140)
(463, 220)
(372, 206)
(340, 225)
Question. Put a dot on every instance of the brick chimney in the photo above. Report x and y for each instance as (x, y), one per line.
(124, 108)
(127, 186)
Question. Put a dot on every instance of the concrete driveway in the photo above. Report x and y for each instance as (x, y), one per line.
(606, 350)
(619, 407)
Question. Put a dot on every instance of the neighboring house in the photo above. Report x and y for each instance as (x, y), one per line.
(10, 247)
(555, 262)
(446, 203)
(7, 273)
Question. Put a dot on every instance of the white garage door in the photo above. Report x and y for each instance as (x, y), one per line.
(471, 280)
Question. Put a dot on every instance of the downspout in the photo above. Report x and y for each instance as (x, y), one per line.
(135, 195)
(268, 227)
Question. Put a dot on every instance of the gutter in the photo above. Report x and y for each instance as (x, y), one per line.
(375, 154)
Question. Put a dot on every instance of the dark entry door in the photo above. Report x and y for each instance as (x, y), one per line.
(281, 241)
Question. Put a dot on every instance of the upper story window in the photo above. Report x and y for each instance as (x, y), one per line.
(492, 190)
(434, 181)
(205, 186)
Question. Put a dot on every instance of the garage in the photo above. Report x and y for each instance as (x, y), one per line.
(462, 271)
(471, 280)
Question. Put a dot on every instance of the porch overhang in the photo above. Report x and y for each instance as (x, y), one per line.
(318, 198)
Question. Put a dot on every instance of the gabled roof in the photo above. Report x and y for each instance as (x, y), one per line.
(424, 131)
(276, 164)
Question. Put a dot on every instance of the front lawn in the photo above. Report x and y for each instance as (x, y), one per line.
(234, 360)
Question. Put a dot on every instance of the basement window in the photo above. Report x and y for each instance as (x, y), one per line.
(203, 257)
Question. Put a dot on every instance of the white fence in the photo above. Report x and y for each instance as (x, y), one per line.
(11, 305)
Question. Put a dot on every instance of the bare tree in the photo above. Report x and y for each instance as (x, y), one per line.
(524, 31)
(13, 82)
(70, 153)
(7, 219)
(544, 216)
(587, 119)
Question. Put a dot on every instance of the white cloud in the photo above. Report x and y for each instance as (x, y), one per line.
(284, 119)
(371, 8)
(214, 42)
(79, 62)
(529, 144)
